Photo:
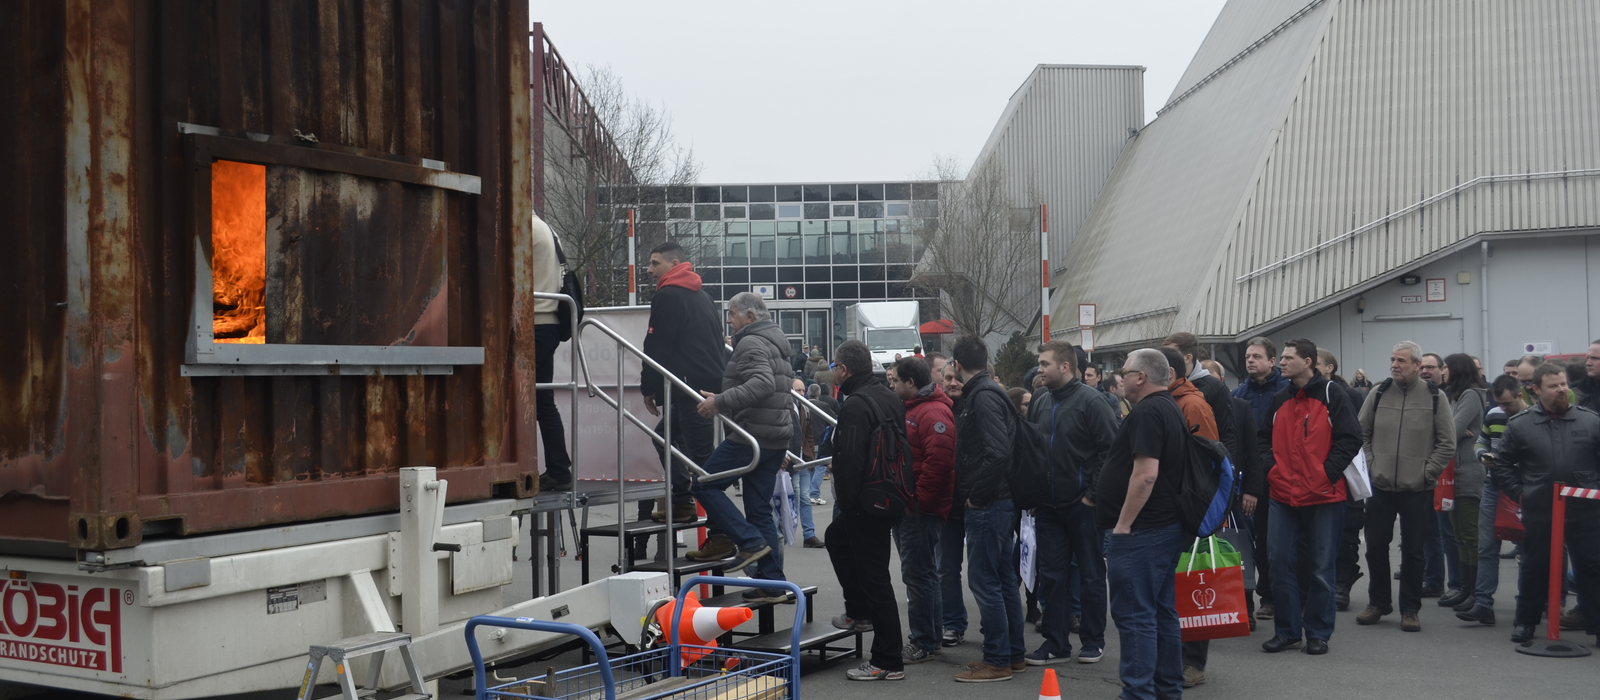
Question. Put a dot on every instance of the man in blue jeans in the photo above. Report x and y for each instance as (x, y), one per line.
(1309, 436)
(1136, 493)
(755, 393)
(987, 424)
(931, 432)
(1508, 401)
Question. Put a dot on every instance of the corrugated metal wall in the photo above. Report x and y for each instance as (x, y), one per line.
(99, 432)
(1240, 24)
(1403, 101)
(1060, 136)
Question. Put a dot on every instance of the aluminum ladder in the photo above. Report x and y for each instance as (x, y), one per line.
(373, 644)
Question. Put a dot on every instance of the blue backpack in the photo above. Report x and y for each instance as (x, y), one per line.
(1207, 487)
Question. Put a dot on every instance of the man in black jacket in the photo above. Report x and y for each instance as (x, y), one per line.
(685, 336)
(1588, 388)
(858, 542)
(987, 425)
(1080, 427)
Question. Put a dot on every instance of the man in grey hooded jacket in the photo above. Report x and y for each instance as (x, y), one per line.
(755, 394)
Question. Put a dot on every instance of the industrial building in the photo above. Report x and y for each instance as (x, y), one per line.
(1359, 173)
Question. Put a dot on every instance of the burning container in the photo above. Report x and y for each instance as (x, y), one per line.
(257, 256)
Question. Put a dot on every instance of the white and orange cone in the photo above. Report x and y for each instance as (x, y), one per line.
(701, 625)
(1049, 689)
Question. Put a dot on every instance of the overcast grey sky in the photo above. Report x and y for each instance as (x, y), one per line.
(867, 90)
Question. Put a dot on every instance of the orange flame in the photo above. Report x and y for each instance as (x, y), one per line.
(239, 258)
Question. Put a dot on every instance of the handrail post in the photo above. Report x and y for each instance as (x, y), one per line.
(622, 400)
(666, 434)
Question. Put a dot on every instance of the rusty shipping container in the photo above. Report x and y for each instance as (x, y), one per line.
(257, 256)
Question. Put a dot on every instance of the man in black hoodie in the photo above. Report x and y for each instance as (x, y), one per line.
(685, 336)
(987, 423)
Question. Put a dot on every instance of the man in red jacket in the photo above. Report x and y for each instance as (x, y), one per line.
(1308, 438)
(931, 430)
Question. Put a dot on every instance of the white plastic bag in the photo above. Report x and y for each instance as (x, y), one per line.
(1030, 554)
(1357, 479)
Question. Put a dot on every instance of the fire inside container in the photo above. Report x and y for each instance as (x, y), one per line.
(239, 257)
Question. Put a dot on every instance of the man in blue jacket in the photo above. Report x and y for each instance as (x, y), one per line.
(1263, 381)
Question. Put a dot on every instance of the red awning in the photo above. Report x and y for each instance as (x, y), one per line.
(938, 327)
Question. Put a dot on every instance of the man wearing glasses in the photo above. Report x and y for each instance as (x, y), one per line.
(1136, 503)
(1589, 387)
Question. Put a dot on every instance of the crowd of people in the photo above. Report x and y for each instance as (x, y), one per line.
(1108, 536)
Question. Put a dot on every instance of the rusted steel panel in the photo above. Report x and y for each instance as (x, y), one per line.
(100, 434)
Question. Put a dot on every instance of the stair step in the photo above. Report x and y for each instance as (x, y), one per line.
(363, 644)
(640, 527)
(736, 599)
(812, 634)
(412, 696)
(687, 566)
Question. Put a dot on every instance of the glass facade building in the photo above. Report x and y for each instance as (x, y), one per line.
(810, 249)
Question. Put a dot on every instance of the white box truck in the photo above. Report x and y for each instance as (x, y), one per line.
(887, 327)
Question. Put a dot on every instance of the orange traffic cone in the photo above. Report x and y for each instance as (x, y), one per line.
(700, 625)
(1049, 689)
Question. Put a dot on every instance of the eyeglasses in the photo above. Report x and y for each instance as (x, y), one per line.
(1126, 372)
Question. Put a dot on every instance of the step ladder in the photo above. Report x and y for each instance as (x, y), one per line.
(373, 644)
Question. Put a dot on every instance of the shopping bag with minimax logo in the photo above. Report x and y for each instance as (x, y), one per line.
(1210, 591)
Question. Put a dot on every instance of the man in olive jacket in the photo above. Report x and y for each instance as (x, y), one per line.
(1408, 432)
(755, 394)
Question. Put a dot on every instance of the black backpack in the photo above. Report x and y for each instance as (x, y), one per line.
(1032, 474)
(571, 288)
(889, 486)
(1207, 486)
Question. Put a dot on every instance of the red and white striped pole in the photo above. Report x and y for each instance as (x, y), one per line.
(1044, 273)
(633, 289)
(1552, 644)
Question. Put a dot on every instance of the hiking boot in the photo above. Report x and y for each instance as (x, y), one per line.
(550, 483)
(913, 654)
(682, 513)
(845, 622)
(1277, 644)
(1044, 657)
(814, 542)
(745, 559)
(867, 672)
(1480, 614)
(980, 672)
(1409, 622)
(1193, 676)
(1572, 619)
(1371, 614)
(714, 549)
(951, 638)
(1266, 611)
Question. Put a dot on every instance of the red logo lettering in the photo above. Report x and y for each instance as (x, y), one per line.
(35, 612)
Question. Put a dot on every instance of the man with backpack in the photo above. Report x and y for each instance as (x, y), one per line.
(1409, 433)
(1137, 499)
(869, 448)
(1079, 427)
(987, 424)
(1308, 439)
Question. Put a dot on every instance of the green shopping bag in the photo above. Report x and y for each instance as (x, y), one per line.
(1207, 549)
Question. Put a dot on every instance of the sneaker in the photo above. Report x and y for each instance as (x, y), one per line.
(766, 595)
(1277, 644)
(550, 483)
(1019, 666)
(952, 638)
(1480, 614)
(1193, 676)
(1572, 619)
(1043, 657)
(845, 622)
(913, 654)
(1371, 614)
(814, 542)
(1090, 656)
(1316, 647)
(682, 513)
(715, 548)
(818, 502)
(744, 559)
(1409, 622)
(980, 672)
(867, 672)
(1266, 611)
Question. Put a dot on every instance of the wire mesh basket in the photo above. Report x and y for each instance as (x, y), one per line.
(721, 674)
